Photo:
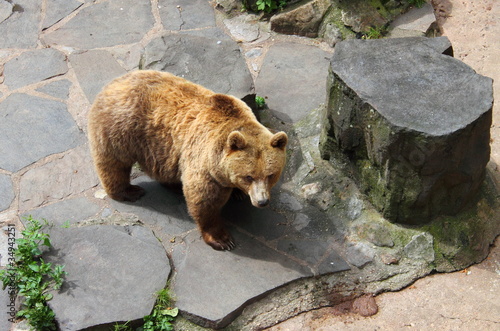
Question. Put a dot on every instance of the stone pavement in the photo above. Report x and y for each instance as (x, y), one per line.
(113, 251)
(56, 55)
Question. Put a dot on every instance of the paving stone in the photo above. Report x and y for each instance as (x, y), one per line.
(215, 63)
(161, 207)
(94, 69)
(57, 10)
(264, 223)
(58, 89)
(9, 310)
(33, 67)
(212, 287)
(113, 274)
(6, 192)
(293, 67)
(65, 212)
(5, 10)
(105, 24)
(33, 128)
(415, 23)
(24, 21)
(70, 174)
(243, 28)
(185, 15)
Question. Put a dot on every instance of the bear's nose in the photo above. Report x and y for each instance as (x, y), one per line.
(263, 202)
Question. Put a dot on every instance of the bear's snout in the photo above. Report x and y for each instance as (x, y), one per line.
(259, 193)
(263, 202)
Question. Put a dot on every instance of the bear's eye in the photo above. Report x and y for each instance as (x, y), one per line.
(249, 179)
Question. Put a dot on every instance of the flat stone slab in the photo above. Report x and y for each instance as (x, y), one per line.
(305, 68)
(57, 10)
(72, 173)
(58, 89)
(51, 130)
(105, 24)
(206, 57)
(186, 15)
(94, 69)
(6, 191)
(268, 243)
(19, 29)
(213, 287)
(65, 212)
(114, 273)
(33, 67)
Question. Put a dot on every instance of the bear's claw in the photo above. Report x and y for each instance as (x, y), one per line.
(226, 243)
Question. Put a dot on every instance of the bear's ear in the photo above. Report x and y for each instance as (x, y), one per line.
(236, 141)
(279, 140)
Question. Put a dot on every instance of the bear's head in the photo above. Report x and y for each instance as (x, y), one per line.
(253, 161)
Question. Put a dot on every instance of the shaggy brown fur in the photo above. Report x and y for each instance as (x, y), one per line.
(180, 132)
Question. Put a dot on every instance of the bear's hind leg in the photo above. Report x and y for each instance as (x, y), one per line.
(115, 178)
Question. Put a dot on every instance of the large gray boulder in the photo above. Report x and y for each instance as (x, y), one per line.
(414, 122)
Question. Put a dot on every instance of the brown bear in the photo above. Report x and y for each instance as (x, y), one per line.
(181, 132)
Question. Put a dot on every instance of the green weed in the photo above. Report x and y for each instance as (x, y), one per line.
(417, 3)
(163, 315)
(32, 277)
(260, 101)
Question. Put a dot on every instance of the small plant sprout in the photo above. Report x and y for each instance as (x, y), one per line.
(260, 101)
(163, 314)
(32, 277)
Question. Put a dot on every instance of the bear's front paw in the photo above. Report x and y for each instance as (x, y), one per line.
(221, 240)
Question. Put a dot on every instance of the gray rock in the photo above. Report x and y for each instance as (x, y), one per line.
(113, 274)
(70, 174)
(360, 254)
(9, 315)
(57, 10)
(161, 207)
(215, 63)
(94, 69)
(105, 24)
(6, 192)
(242, 28)
(58, 89)
(420, 247)
(312, 251)
(33, 128)
(201, 283)
(290, 202)
(65, 212)
(5, 10)
(375, 233)
(302, 19)
(34, 66)
(186, 15)
(415, 23)
(24, 21)
(424, 161)
(291, 67)
(261, 223)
